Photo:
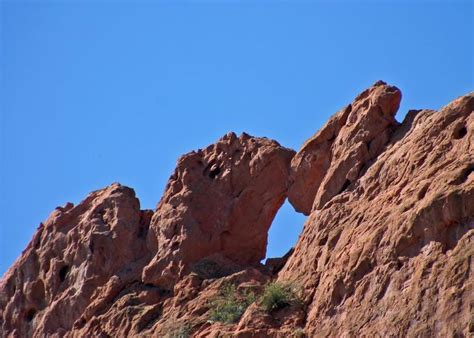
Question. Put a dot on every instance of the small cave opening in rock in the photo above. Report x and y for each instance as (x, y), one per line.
(214, 172)
(63, 273)
(460, 132)
(30, 314)
(284, 232)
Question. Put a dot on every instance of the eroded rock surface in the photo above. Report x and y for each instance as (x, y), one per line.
(336, 155)
(387, 249)
(106, 267)
(72, 256)
(217, 208)
(392, 255)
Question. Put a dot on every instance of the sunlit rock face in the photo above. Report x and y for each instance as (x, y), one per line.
(392, 253)
(71, 259)
(387, 248)
(337, 154)
(217, 208)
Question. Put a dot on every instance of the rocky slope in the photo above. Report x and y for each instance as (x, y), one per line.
(392, 252)
(387, 249)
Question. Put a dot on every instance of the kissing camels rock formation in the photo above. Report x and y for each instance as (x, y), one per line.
(387, 248)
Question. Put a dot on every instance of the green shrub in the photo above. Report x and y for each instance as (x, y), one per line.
(229, 306)
(277, 295)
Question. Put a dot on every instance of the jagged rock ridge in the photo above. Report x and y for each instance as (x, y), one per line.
(387, 249)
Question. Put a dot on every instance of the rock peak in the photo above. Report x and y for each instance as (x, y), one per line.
(335, 157)
(386, 250)
(379, 83)
(218, 205)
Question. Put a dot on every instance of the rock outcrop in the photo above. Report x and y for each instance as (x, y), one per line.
(72, 256)
(335, 157)
(87, 264)
(392, 254)
(217, 208)
(387, 248)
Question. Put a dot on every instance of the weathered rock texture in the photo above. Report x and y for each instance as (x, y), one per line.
(83, 270)
(77, 251)
(392, 254)
(217, 208)
(387, 249)
(335, 157)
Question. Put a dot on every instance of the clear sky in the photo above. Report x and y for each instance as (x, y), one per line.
(97, 92)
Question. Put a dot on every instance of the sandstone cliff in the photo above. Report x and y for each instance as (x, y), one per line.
(387, 248)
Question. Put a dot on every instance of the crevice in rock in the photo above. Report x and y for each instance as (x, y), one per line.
(346, 185)
(423, 191)
(464, 174)
(30, 314)
(63, 272)
(214, 172)
(144, 224)
(149, 318)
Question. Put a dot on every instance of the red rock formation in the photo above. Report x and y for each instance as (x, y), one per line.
(334, 158)
(217, 209)
(387, 249)
(392, 255)
(84, 266)
(71, 256)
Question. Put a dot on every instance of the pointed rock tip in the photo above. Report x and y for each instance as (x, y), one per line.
(379, 83)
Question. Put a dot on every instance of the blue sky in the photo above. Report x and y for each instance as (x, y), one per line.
(98, 92)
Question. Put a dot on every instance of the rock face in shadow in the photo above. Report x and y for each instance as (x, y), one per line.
(387, 249)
